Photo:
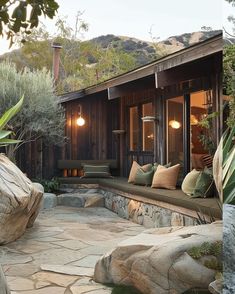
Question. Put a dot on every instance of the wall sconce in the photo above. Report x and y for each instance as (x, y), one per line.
(80, 120)
(148, 119)
(174, 124)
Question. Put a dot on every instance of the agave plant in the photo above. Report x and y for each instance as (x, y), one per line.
(228, 177)
(4, 134)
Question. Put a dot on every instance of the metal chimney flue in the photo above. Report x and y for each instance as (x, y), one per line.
(56, 60)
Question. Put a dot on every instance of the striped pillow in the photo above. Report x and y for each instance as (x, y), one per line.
(207, 160)
(96, 171)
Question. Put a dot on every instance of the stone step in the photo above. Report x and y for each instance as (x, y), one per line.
(51, 200)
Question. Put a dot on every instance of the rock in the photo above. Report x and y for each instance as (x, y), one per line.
(20, 201)
(229, 248)
(95, 200)
(21, 284)
(54, 278)
(71, 199)
(81, 200)
(68, 270)
(49, 201)
(3, 284)
(216, 287)
(158, 261)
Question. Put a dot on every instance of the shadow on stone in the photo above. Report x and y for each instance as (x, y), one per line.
(124, 290)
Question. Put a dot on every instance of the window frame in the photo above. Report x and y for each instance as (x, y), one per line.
(139, 106)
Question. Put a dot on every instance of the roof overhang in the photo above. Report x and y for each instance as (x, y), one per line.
(190, 54)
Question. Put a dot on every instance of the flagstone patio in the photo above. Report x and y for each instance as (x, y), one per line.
(58, 254)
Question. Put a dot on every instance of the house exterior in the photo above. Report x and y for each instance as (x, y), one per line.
(171, 94)
(176, 91)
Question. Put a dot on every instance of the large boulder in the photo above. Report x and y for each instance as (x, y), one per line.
(165, 260)
(3, 284)
(229, 249)
(20, 201)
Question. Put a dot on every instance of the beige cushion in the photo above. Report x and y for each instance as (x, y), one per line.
(134, 168)
(166, 177)
(189, 182)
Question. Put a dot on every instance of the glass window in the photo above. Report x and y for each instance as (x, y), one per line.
(201, 139)
(148, 128)
(175, 108)
(134, 128)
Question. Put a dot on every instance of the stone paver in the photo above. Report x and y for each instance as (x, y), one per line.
(58, 255)
(88, 261)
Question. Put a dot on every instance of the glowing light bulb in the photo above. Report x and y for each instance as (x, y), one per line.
(174, 124)
(80, 121)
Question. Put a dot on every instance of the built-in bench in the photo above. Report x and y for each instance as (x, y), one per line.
(174, 200)
(170, 200)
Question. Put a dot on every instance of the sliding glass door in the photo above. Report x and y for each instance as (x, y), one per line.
(187, 142)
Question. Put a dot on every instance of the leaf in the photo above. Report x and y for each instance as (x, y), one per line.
(10, 113)
(9, 141)
(4, 134)
(229, 193)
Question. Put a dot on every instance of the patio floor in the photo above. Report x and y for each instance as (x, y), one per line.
(58, 254)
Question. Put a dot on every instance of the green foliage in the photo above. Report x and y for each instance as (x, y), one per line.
(206, 248)
(214, 249)
(82, 63)
(206, 137)
(228, 165)
(124, 290)
(20, 17)
(41, 116)
(202, 220)
(50, 186)
(8, 115)
(214, 264)
(231, 1)
(227, 140)
(229, 80)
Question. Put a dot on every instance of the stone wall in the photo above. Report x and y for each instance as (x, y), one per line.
(149, 215)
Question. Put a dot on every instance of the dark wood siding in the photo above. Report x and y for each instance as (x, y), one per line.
(95, 140)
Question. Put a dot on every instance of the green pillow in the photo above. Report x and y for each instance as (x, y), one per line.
(144, 178)
(189, 182)
(96, 171)
(204, 185)
(156, 164)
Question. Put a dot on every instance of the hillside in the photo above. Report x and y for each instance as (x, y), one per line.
(90, 62)
(146, 51)
(143, 51)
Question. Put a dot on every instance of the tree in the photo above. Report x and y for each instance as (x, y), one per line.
(19, 17)
(41, 115)
(82, 64)
(231, 1)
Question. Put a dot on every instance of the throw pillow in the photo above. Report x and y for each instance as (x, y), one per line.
(135, 166)
(166, 177)
(96, 171)
(204, 185)
(143, 178)
(189, 182)
(156, 164)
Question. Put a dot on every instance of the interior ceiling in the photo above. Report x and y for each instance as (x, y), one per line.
(197, 99)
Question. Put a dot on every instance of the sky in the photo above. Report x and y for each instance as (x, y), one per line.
(135, 18)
